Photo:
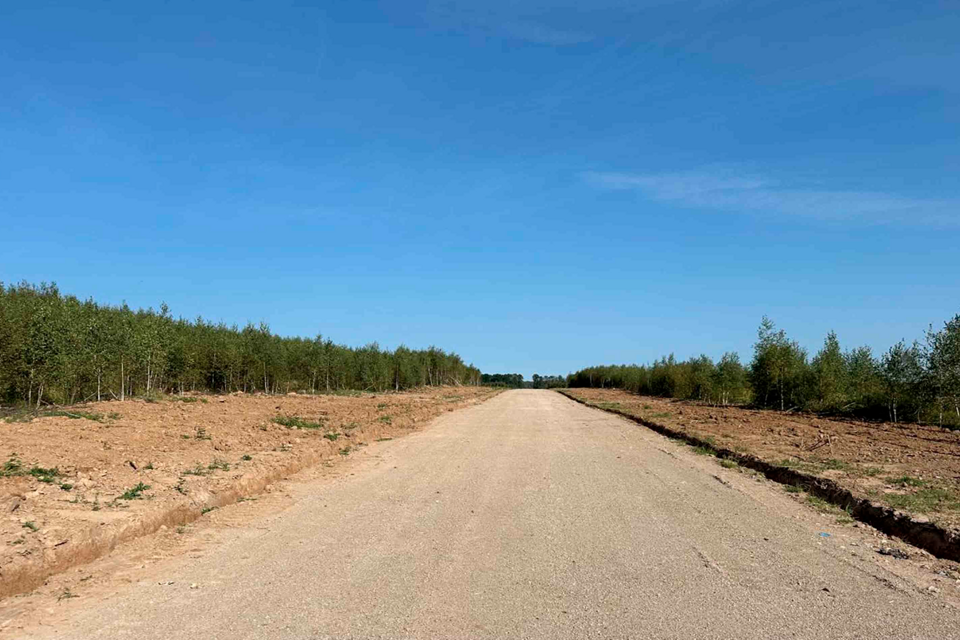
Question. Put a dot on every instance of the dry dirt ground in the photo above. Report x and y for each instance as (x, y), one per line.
(526, 516)
(73, 486)
(914, 468)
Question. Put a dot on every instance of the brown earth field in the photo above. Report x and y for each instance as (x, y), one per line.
(909, 467)
(75, 485)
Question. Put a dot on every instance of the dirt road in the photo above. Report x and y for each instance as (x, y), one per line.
(528, 516)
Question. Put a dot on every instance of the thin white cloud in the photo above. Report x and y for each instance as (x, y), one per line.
(746, 193)
(526, 22)
(542, 34)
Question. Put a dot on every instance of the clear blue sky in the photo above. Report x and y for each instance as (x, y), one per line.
(536, 185)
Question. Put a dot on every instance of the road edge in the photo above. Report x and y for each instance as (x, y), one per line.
(915, 530)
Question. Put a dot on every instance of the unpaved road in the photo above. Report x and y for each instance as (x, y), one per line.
(526, 516)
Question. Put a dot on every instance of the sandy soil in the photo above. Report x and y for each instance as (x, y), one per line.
(72, 488)
(910, 467)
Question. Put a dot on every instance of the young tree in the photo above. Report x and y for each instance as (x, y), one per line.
(778, 367)
(902, 372)
(730, 379)
(829, 374)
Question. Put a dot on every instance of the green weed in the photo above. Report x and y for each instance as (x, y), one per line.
(135, 492)
(12, 467)
(217, 463)
(196, 471)
(66, 594)
(296, 422)
(44, 475)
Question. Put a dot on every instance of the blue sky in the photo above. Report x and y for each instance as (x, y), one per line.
(536, 185)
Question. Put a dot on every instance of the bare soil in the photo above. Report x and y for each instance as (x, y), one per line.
(74, 486)
(913, 468)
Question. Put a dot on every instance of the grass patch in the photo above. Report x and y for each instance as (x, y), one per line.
(607, 406)
(206, 510)
(387, 419)
(331, 436)
(907, 481)
(246, 457)
(296, 422)
(702, 451)
(345, 451)
(135, 492)
(77, 415)
(729, 464)
(14, 467)
(835, 465)
(27, 414)
(792, 488)
(869, 472)
(30, 524)
(924, 500)
(821, 505)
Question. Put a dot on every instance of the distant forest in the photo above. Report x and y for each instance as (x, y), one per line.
(917, 382)
(516, 381)
(56, 348)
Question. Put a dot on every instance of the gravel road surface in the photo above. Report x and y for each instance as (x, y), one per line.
(528, 516)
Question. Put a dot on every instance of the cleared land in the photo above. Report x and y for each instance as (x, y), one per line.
(76, 483)
(910, 467)
(526, 516)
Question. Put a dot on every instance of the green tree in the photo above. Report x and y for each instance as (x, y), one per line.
(778, 368)
(829, 375)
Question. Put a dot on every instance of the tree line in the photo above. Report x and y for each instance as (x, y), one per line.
(918, 382)
(57, 349)
(508, 380)
(516, 381)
